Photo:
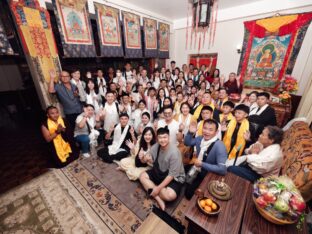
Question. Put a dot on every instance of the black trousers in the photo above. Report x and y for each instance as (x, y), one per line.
(106, 157)
(71, 118)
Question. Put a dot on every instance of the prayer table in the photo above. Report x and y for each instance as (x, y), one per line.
(230, 217)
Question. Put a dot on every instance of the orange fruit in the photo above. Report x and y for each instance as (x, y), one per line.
(208, 202)
(207, 208)
(214, 206)
(202, 203)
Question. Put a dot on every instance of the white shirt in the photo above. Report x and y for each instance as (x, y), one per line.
(111, 116)
(156, 82)
(102, 89)
(268, 162)
(173, 129)
(136, 118)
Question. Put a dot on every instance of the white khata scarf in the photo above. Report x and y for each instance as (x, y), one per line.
(204, 145)
(186, 122)
(118, 139)
(255, 112)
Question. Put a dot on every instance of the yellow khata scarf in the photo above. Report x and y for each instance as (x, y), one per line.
(200, 128)
(229, 117)
(62, 148)
(199, 108)
(240, 140)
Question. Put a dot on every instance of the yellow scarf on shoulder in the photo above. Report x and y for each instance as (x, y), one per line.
(240, 140)
(229, 117)
(199, 108)
(200, 128)
(62, 148)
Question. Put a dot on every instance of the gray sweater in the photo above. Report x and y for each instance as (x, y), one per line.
(170, 160)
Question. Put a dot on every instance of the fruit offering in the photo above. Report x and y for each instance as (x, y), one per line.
(279, 197)
(208, 205)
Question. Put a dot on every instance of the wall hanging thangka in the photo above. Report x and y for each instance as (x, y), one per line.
(132, 35)
(150, 38)
(37, 38)
(34, 29)
(109, 30)
(270, 49)
(163, 40)
(75, 28)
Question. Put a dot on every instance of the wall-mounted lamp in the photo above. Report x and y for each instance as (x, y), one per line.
(239, 49)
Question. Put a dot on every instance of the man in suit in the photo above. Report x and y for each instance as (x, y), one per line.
(264, 115)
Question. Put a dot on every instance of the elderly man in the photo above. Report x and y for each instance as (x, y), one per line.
(68, 95)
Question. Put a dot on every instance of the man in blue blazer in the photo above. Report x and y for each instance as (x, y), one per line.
(211, 153)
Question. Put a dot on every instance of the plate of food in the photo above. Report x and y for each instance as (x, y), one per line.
(208, 206)
(278, 200)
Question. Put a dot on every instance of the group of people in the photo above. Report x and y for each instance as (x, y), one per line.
(165, 129)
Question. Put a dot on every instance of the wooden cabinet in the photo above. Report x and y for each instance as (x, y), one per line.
(282, 112)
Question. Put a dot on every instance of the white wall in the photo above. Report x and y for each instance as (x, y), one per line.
(229, 34)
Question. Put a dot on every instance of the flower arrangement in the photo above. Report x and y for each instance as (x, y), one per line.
(279, 197)
(284, 96)
(289, 84)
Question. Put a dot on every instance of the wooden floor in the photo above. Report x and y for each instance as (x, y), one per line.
(154, 225)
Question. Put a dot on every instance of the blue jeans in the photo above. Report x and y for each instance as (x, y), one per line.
(84, 142)
(245, 172)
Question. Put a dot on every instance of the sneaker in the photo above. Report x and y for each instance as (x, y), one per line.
(86, 155)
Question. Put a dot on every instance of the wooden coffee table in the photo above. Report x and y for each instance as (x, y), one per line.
(230, 217)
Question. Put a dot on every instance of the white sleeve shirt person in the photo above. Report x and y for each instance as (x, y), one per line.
(266, 163)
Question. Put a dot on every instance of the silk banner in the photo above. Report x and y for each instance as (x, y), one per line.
(35, 32)
(270, 49)
(150, 38)
(34, 26)
(163, 40)
(75, 28)
(132, 35)
(109, 30)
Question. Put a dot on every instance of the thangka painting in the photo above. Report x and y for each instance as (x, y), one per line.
(109, 30)
(163, 40)
(270, 49)
(75, 28)
(5, 47)
(150, 38)
(132, 35)
(34, 29)
(210, 60)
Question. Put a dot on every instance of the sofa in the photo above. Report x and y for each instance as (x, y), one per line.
(297, 157)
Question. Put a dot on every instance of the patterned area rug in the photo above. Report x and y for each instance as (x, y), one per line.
(47, 204)
(121, 203)
(88, 196)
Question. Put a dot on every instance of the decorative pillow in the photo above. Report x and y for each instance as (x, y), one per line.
(297, 157)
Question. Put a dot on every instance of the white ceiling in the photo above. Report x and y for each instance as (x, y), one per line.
(177, 9)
